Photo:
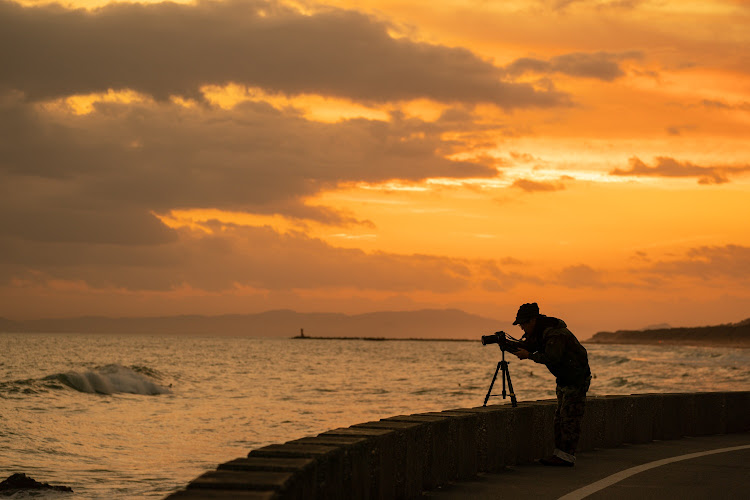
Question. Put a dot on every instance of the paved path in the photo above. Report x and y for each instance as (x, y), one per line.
(707, 467)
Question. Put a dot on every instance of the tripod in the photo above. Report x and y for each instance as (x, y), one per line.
(502, 364)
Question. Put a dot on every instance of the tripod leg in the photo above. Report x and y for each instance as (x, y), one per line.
(505, 370)
(489, 391)
(513, 401)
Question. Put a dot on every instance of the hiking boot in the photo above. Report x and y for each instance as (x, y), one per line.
(555, 461)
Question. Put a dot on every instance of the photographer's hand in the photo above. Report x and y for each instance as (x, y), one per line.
(522, 354)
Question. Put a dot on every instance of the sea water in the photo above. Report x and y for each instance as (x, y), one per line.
(140, 416)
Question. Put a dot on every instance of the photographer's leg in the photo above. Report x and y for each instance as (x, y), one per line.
(560, 457)
(571, 416)
(558, 418)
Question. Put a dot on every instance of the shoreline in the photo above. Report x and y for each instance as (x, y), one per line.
(663, 343)
(382, 339)
(685, 343)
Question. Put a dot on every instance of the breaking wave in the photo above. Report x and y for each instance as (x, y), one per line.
(108, 379)
(112, 379)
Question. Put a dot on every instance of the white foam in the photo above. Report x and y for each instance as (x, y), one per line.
(112, 379)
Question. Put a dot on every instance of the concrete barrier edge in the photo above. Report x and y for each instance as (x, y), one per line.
(401, 456)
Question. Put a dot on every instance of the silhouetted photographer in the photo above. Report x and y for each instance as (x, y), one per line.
(548, 341)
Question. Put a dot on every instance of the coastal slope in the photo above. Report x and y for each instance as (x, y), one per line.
(727, 335)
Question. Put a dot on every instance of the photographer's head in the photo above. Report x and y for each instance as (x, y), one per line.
(526, 317)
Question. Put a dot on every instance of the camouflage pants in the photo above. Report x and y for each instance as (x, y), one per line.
(571, 403)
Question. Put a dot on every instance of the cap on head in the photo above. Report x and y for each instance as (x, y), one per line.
(526, 312)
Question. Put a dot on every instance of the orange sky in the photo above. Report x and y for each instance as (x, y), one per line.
(241, 156)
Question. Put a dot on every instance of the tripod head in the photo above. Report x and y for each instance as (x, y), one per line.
(504, 341)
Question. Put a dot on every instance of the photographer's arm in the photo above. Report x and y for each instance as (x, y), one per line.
(524, 348)
(522, 354)
(552, 354)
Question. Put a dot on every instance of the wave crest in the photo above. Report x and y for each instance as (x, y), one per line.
(108, 379)
(111, 379)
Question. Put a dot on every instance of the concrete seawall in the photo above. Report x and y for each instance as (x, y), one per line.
(401, 456)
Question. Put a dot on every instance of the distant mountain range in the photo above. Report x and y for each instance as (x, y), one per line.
(730, 334)
(427, 323)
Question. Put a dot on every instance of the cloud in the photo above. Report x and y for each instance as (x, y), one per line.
(79, 195)
(708, 263)
(169, 49)
(81, 177)
(536, 186)
(581, 275)
(599, 65)
(232, 256)
(669, 167)
(600, 5)
(677, 130)
(85, 225)
(722, 105)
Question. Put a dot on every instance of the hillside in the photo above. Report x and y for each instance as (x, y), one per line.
(730, 335)
(428, 323)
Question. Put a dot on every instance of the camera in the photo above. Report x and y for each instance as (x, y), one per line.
(504, 341)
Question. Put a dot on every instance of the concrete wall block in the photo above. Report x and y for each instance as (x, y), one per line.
(688, 422)
(445, 447)
(409, 449)
(684, 423)
(710, 413)
(593, 425)
(193, 494)
(677, 418)
(355, 466)
(615, 409)
(628, 417)
(538, 429)
(381, 447)
(429, 447)
(285, 464)
(491, 421)
(467, 440)
(500, 451)
(640, 427)
(738, 411)
(657, 426)
(329, 464)
(544, 423)
(519, 435)
(285, 484)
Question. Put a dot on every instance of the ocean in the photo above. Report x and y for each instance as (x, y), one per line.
(140, 416)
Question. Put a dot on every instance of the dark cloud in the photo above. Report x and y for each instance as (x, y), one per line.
(77, 225)
(237, 256)
(80, 194)
(173, 49)
(669, 167)
(66, 175)
(600, 65)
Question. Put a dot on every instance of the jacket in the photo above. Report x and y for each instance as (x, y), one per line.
(553, 345)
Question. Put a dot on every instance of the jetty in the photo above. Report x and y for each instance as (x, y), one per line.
(647, 445)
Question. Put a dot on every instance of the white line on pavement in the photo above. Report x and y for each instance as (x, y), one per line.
(615, 478)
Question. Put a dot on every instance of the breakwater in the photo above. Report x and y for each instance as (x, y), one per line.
(401, 456)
